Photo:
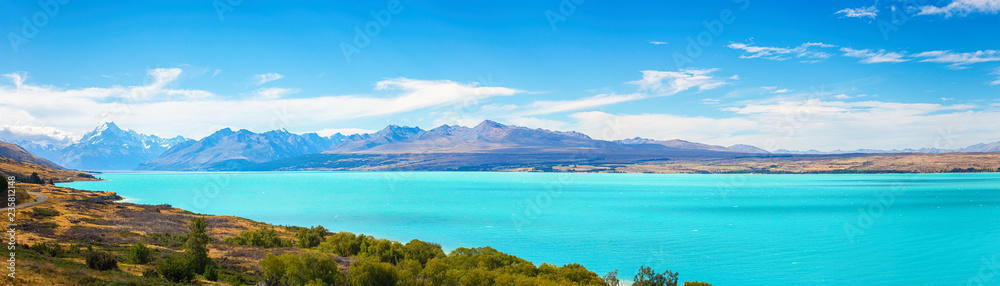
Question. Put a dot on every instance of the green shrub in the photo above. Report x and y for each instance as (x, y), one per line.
(696, 283)
(422, 251)
(138, 253)
(210, 273)
(98, 260)
(371, 272)
(310, 237)
(300, 269)
(175, 269)
(150, 273)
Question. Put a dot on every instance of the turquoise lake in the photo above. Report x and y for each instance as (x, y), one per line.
(923, 229)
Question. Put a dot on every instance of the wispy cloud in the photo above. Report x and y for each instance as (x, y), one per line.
(997, 73)
(653, 84)
(809, 52)
(959, 60)
(962, 8)
(871, 57)
(658, 43)
(864, 12)
(273, 92)
(261, 79)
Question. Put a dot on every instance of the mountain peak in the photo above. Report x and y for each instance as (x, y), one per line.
(490, 124)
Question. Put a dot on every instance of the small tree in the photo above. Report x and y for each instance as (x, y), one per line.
(195, 247)
(612, 278)
(138, 253)
(648, 277)
(35, 179)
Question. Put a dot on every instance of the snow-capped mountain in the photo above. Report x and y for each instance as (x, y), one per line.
(111, 148)
(226, 148)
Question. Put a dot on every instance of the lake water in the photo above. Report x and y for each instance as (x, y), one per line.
(926, 229)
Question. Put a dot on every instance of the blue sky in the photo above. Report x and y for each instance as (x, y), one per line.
(779, 74)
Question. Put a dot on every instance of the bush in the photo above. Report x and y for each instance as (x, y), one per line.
(300, 269)
(176, 269)
(422, 251)
(696, 283)
(210, 273)
(150, 273)
(138, 253)
(35, 179)
(370, 272)
(85, 175)
(310, 237)
(101, 261)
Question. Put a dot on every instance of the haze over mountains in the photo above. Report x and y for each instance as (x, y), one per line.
(448, 147)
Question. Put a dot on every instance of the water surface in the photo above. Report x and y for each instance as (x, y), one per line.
(926, 229)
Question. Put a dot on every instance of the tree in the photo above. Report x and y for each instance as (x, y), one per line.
(612, 278)
(648, 277)
(35, 179)
(138, 253)
(195, 247)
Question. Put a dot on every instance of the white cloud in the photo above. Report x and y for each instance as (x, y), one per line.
(78, 110)
(871, 57)
(673, 82)
(267, 77)
(996, 82)
(962, 8)
(44, 135)
(658, 43)
(809, 52)
(863, 12)
(959, 60)
(809, 124)
(710, 101)
(842, 96)
(273, 92)
(652, 84)
(783, 90)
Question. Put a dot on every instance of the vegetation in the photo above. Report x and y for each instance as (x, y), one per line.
(210, 273)
(648, 277)
(310, 237)
(266, 238)
(696, 283)
(196, 250)
(99, 260)
(301, 269)
(138, 253)
(46, 212)
(175, 269)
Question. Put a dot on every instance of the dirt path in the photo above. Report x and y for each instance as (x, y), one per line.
(40, 198)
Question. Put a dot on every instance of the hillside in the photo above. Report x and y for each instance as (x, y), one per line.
(15, 152)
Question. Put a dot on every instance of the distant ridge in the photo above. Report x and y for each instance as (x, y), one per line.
(15, 152)
(226, 149)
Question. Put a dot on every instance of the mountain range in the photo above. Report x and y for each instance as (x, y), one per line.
(448, 147)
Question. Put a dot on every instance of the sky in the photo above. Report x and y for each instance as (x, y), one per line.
(796, 75)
